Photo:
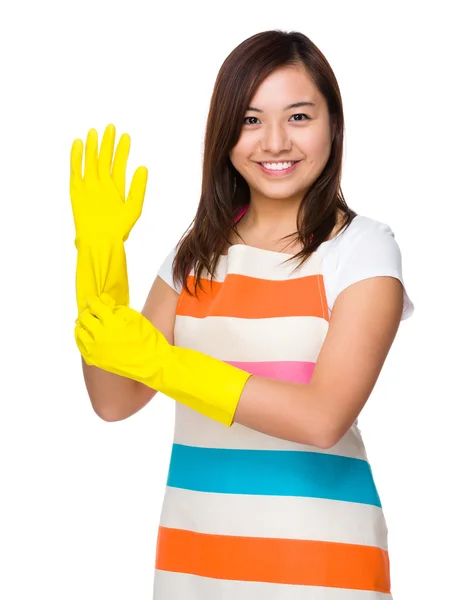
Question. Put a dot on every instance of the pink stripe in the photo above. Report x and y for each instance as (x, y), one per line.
(241, 212)
(293, 371)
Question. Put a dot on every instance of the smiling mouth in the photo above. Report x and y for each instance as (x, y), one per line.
(280, 167)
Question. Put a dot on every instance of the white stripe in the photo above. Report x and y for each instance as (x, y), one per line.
(289, 517)
(266, 339)
(263, 264)
(182, 586)
(194, 429)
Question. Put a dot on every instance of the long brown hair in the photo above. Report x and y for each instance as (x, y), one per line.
(224, 191)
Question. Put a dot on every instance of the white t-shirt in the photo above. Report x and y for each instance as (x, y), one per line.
(367, 248)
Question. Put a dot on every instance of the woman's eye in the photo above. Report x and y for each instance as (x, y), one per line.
(296, 117)
(300, 117)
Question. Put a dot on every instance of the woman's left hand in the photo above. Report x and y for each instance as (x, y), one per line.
(118, 339)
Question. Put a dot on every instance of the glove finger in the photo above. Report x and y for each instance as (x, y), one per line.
(76, 162)
(91, 155)
(108, 300)
(118, 173)
(135, 200)
(100, 310)
(106, 152)
(82, 339)
(90, 324)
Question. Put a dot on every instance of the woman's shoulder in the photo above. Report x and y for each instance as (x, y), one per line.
(361, 227)
(367, 248)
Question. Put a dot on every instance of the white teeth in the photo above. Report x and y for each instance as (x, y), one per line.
(278, 166)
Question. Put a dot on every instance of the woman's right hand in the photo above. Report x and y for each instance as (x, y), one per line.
(98, 197)
(102, 217)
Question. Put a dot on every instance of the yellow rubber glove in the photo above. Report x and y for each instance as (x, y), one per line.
(121, 340)
(102, 218)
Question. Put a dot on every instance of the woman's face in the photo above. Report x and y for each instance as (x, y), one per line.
(285, 140)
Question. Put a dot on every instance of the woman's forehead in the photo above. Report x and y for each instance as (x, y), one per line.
(283, 88)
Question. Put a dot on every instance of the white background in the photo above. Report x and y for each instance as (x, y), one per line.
(81, 498)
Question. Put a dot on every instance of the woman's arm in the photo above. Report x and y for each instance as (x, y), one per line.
(363, 325)
(113, 397)
(362, 328)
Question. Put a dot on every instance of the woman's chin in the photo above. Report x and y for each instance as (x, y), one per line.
(279, 191)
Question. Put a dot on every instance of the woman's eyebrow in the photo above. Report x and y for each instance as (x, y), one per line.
(288, 107)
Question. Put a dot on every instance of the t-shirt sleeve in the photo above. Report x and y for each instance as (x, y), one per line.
(372, 252)
(165, 271)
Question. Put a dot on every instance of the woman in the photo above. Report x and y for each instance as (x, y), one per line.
(270, 493)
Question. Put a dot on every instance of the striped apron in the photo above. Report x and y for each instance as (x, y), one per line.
(247, 515)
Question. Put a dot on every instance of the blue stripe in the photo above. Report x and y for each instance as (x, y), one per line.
(272, 473)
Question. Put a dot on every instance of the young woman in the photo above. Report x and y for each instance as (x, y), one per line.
(268, 322)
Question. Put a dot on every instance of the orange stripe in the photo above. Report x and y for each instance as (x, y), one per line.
(295, 562)
(253, 298)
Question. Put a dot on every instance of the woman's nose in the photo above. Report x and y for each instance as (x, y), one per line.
(275, 139)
